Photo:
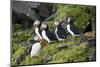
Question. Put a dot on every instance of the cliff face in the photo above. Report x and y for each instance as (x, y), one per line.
(26, 13)
(72, 49)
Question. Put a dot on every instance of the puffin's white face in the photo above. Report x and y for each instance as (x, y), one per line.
(36, 38)
(56, 23)
(36, 23)
(44, 26)
(69, 19)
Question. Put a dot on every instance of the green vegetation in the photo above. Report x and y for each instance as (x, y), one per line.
(81, 14)
(77, 51)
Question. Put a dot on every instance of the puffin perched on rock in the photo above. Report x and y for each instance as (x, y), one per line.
(60, 31)
(48, 35)
(70, 27)
(37, 25)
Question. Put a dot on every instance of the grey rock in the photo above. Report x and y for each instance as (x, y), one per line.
(92, 42)
(62, 46)
(24, 7)
(92, 57)
(18, 59)
(47, 58)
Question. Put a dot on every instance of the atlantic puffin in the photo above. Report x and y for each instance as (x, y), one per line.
(47, 34)
(37, 25)
(36, 46)
(60, 31)
(70, 27)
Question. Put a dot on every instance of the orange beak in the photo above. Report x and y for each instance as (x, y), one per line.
(46, 45)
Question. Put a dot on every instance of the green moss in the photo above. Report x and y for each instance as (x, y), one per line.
(70, 55)
(21, 50)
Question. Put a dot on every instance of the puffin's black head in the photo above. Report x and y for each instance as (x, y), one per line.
(36, 23)
(34, 40)
(44, 26)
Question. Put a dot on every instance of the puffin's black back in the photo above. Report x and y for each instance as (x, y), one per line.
(61, 31)
(64, 25)
(74, 28)
(51, 35)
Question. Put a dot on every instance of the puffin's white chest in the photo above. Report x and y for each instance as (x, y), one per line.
(69, 30)
(57, 35)
(37, 32)
(44, 36)
(35, 49)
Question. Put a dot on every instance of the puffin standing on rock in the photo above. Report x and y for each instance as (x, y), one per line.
(48, 35)
(60, 31)
(37, 25)
(70, 27)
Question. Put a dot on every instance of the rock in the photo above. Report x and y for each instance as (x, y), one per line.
(50, 17)
(62, 46)
(24, 8)
(92, 42)
(45, 13)
(92, 57)
(26, 12)
(32, 10)
(88, 34)
(18, 59)
(83, 38)
(47, 59)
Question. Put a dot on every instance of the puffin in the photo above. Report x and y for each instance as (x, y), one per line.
(47, 34)
(60, 31)
(70, 27)
(38, 31)
(36, 46)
